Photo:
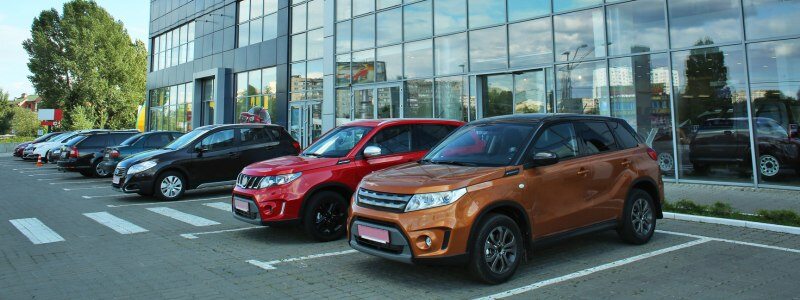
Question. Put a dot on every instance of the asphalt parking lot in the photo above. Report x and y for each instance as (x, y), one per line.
(66, 236)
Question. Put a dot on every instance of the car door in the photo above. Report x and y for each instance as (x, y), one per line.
(257, 144)
(607, 165)
(558, 191)
(395, 143)
(215, 158)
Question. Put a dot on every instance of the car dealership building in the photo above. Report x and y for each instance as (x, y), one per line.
(708, 83)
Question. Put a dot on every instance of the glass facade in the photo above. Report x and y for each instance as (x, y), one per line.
(171, 108)
(257, 21)
(255, 96)
(172, 48)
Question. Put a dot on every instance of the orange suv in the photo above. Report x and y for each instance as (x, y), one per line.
(495, 187)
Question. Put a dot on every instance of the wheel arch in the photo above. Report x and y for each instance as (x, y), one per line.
(649, 186)
(336, 187)
(509, 208)
(184, 173)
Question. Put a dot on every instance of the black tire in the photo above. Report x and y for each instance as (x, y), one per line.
(174, 186)
(97, 170)
(87, 173)
(46, 157)
(487, 246)
(638, 218)
(325, 216)
(143, 194)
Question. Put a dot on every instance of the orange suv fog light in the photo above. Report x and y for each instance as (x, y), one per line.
(424, 242)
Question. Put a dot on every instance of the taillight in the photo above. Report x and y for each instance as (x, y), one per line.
(114, 154)
(652, 153)
(297, 146)
(73, 152)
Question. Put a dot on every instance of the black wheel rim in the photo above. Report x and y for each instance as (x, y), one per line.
(330, 218)
(500, 250)
(642, 217)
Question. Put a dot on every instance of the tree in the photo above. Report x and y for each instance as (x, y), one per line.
(81, 119)
(6, 112)
(84, 58)
(25, 122)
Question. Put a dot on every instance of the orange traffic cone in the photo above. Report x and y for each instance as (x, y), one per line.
(39, 161)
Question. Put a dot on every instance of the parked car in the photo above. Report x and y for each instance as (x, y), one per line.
(47, 149)
(19, 149)
(27, 151)
(482, 196)
(84, 152)
(136, 144)
(209, 156)
(313, 189)
(727, 141)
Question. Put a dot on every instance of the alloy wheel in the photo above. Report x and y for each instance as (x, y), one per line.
(500, 250)
(642, 217)
(330, 218)
(666, 162)
(171, 186)
(100, 171)
(769, 165)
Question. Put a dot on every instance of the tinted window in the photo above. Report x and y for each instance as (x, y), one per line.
(255, 135)
(338, 142)
(158, 140)
(559, 139)
(625, 137)
(427, 136)
(118, 138)
(216, 141)
(132, 140)
(482, 145)
(94, 141)
(596, 136)
(393, 140)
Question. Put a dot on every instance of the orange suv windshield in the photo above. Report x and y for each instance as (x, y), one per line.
(486, 145)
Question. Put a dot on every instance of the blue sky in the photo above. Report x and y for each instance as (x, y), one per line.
(15, 24)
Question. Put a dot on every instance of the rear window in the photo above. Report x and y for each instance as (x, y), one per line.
(158, 140)
(625, 137)
(255, 135)
(596, 137)
(132, 140)
(94, 141)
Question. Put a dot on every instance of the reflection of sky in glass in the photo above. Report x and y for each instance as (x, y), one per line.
(449, 16)
(364, 32)
(562, 5)
(388, 26)
(693, 21)
(490, 52)
(419, 59)
(771, 18)
(483, 13)
(417, 20)
(524, 9)
(580, 35)
(531, 42)
(638, 26)
(451, 54)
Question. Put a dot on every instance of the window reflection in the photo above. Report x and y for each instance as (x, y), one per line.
(564, 5)
(582, 88)
(491, 50)
(449, 16)
(497, 95)
(364, 32)
(417, 21)
(419, 99)
(771, 18)
(695, 23)
(525, 9)
(712, 118)
(638, 26)
(484, 13)
(418, 59)
(363, 67)
(580, 35)
(452, 98)
(451, 54)
(389, 63)
(530, 43)
(388, 31)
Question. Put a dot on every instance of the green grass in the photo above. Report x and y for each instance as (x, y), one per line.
(16, 139)
(724, 210)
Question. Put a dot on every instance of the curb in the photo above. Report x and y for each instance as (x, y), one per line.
(731, 222)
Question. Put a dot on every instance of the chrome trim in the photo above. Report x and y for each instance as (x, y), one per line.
(216, 184)
(387, 200)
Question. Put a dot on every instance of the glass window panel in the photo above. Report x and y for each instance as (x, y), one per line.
(498, 95)
(711, 114)
(299, 18)
(316, 13)
(525, 9)
(418, 59)
(771, 18)
(256, 8)
(364, 66)
(314, 74)
(256, 28)
(269, 81)
(241, 84)
(182, 54)
(343, 10)
(696, 23)
(254, 83)
(451, 96)
(270, 27)
(564, 5)
(361, 7)
(531, 43)
(389, 63)
(190, 51)
(417, 22)
(244, 11)
(388, 23)
(270, 6)
(639, 93)
(419, 99)
(343, 37)
(364, 32)
(388, 3)
(530, 92)
(343, 112)
(580, 35)
(486, 12)
(363, 104)
(449, 16)
(316, 45)
(638, 26)
(582, 88)
(182, 34)
(451, 54)
(775, 88)
(191, 31)
(299, 47)
(343, 69)
(490, 52)
(298, 77)
(244, 34)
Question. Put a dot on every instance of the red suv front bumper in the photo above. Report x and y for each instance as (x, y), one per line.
(276, 204)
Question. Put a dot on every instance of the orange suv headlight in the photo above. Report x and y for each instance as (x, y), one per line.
(431, 200)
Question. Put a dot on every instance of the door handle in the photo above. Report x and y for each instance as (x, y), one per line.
(626, 163)
(583, 172)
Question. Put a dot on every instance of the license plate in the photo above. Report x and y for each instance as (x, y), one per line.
(115, 180)
(107, 155)
(242, 205)
(373, 234)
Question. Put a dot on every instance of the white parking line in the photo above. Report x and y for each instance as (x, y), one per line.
(87, 188)
(596, 269)
(219, 205)
(40, 170)
(156, 203)
(120, 195)
(182, 216)
(46, 174)
(194, 235)
(37, 168)
(115, 223)
(36, 231)
(270, 265)
(78, 181)
(730, 241)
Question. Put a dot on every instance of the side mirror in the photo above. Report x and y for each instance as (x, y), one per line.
(546, 158)
(200, 149)
(793, 131)
(372, 151)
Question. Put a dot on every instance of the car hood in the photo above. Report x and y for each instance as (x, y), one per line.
(415, 178)
(288, 165)
(142, 156)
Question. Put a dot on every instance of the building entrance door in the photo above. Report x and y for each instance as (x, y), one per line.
(305, 121)
(207, 102)
(377, 102)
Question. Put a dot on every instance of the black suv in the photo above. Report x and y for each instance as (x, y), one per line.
(136, 144)
(209, 156)
(84, 152)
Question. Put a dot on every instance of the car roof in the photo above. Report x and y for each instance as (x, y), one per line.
(240, 125)
(537, 118)
(386, 122)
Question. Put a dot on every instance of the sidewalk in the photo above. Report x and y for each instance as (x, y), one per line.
(743, 199)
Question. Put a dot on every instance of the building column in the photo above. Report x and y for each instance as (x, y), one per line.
(329, 68)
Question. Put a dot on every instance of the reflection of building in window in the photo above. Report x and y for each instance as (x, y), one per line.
(171, 108)
(256, 101)
(173, 47)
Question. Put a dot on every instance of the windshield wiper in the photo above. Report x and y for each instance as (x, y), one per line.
(452, 162)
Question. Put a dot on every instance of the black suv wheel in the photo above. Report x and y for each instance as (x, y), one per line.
(325, 216)
(497, 250)
(638, 218)
(98, 171)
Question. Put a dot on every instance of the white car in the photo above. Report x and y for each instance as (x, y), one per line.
(46, 149)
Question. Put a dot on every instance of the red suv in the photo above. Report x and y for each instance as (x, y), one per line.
(314, 188)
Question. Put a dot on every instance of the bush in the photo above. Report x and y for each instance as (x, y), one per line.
(783, 217)
(724, 210)
(80, 118)
(25, 122)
